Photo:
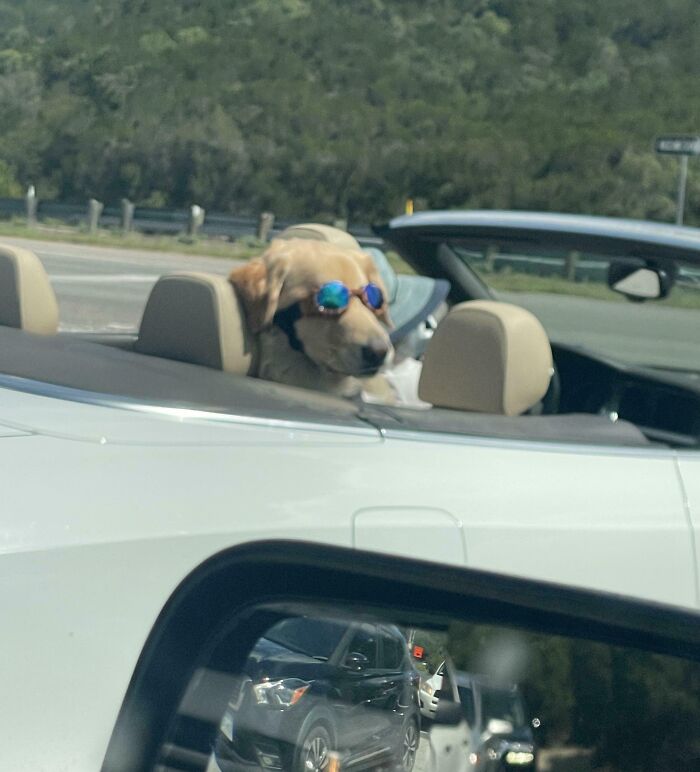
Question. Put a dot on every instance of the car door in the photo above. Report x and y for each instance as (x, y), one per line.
(397, 696)
(689, 466)
(450, 746)
(608, 518)
(360, 692)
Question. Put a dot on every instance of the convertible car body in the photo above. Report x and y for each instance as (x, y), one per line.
(125, 468)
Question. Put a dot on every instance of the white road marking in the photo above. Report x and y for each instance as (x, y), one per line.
(104, 278)
(112, 327)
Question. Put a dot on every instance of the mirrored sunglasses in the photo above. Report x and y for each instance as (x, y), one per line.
(333, 297)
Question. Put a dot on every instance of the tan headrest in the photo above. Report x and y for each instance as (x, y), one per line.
(317, 232)
(196, 318)
(27, 299)
(487, 357)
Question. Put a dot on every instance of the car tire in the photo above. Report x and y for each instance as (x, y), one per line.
(312, 752)
(407, 750)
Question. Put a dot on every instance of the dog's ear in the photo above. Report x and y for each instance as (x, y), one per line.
(374, 277)
(258, 284)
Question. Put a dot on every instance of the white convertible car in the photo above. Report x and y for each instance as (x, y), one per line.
(127, 463)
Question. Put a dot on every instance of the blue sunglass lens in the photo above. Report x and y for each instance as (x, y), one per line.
(333, 296)
(374, 296)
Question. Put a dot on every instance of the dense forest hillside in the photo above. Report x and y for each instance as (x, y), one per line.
(324, 108)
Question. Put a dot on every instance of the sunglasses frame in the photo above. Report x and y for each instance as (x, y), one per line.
(358, 293)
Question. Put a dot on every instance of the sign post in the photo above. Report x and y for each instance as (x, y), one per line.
(682, 145)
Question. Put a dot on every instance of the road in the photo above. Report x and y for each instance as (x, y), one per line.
(105, 289)
(100, 288)
(642, 333)
(421, 765)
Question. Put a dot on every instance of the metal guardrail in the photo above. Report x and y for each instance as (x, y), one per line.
(157, 221)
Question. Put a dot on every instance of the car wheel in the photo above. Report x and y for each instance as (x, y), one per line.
(408, 747)
(312, 755)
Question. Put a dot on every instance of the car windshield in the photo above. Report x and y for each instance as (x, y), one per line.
(502, 704)
(317, 638)
(568, 291)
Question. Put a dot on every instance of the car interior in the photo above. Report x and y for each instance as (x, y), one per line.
(193, 351)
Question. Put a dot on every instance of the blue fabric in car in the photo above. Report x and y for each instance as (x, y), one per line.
(411, 298)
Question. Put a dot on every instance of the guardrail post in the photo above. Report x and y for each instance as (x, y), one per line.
(265, 225)
(127, 215)
(570, 265)
(95, 208)
(32, 204)
(196, 220)
(490, 258)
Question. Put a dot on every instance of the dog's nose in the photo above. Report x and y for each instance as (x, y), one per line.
(375, 353)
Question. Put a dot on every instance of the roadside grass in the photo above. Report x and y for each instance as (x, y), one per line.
(241, 249)
(511, 281)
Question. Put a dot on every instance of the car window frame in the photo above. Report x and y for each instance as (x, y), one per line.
(220, 595)
(386, 633)
(348, 646)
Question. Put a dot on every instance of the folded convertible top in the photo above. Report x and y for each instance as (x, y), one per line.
(116, 372)
(78, 364)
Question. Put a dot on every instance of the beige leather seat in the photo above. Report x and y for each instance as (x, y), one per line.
(27, 299)
(487, 357)
(195, 317)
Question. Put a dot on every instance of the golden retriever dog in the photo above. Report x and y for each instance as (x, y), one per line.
(339, 347)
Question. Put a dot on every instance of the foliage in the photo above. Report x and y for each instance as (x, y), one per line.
(9, 187)
(637, 710)
(319, 108)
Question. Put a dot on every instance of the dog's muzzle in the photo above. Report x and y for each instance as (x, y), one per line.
(374, 355)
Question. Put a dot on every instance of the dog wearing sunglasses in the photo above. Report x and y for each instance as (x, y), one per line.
(319, 314)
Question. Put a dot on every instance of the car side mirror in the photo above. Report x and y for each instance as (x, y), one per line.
(448, 713)
(499, 726)
(355, 661)
(639, 282)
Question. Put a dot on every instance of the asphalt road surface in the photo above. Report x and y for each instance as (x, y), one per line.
(641, 333)
(105, 289)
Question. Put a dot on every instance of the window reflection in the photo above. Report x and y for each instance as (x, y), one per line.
(323, 691)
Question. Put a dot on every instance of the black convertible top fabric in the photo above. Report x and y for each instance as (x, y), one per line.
(76, 363)
(575, 428)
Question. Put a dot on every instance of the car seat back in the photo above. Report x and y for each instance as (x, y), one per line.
(487, 357)
(27, 299)
(318, 232)
(195, 317)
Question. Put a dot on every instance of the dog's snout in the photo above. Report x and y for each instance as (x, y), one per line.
(374, 354)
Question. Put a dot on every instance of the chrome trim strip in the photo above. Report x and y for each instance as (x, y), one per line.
(116, 402)
(540, 446)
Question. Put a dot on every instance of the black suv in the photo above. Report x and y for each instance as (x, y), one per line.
(315, 685)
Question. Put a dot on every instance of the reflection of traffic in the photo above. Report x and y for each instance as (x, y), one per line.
(500, 734)
(318, 694)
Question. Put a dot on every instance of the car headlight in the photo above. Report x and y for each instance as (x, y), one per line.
(517, 758)
(281, 694)
(428, 689)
